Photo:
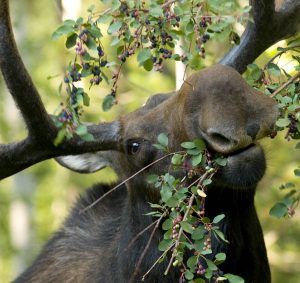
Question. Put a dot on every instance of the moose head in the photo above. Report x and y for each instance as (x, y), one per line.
(215, 105)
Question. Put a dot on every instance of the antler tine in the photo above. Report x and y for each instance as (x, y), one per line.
(269, 26)
(19, 81)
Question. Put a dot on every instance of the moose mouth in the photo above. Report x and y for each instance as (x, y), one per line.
(244, 168)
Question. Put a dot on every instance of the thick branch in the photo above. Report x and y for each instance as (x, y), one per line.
(16, 157)
(269, 27)
(19, 81)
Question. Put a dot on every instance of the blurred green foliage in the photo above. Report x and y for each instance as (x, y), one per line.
(45, 192)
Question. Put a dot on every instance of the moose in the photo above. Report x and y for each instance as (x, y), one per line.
(215, 104)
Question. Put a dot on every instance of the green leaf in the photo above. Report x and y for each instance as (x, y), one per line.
(108, 102)
(148, 65)
(218, 218)
(283, 122)
(91, 8)
(220, 257)
(198, 233)
(87, 137)
(188, 145)
(298, 145)
(152, 179)
(159, 146)
(211, 265)
(188, 275)
(155, 10)
(95, 31)
(220, 235)
(60, 136)
(165, 193)
(207, 182)
(81, 130)
(297, 172)
(114, 27)
(221, 161)
(66, 28)
(187, 227)
(86, 99)
(164, 245)
(167, 224)
(200, 144)
(71, 40)
(172, 202)
(199, 280)
(234, 278)
(279, 210)
(196, 160)
(274, 70)
(176, 159)
(192, 261)
(144, 55)
(163, 139)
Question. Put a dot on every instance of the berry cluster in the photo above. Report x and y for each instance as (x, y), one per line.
(292, 128)
(176, 226)
(200, 269)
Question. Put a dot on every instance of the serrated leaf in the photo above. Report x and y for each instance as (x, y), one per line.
(196, 160)
(234, 278)
(176, 159)
(71, 40)
(188, 145)
(187, 227)
(144, 55)
(192, 261)
(279, 210)
(148, 65)
(155, 10)
(207, 182)
(164, 245)
(211, 265)
(188, 275)
(167, 224)
(220, 235)
(283, 122)
(152, 179)
(87, 137)
(220, 256)
(60, 136)
(218, 218)
(86, 99)
(114, 27)
(221, 161)
(198, 233)
(297, 172)
(108, 102)
(274, 70)
(163, 139)
(200, 144)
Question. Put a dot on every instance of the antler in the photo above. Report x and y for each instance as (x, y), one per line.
(270, 25)
(38, 146)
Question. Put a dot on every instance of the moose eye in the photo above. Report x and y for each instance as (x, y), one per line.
(133, 146)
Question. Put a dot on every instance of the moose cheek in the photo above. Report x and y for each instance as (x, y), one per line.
(243, 170)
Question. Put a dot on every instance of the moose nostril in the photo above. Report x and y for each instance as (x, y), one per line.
(219, 139)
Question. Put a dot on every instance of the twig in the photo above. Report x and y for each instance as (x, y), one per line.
(285, 85)
(140, 233)
(146, 249)
(202, 178)
(122, 183)
(282, 51)
(155, 263)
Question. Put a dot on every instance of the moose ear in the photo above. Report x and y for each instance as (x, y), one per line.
(84, 163)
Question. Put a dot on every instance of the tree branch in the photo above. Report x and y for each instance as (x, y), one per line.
(269, 27)
(19, 82)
